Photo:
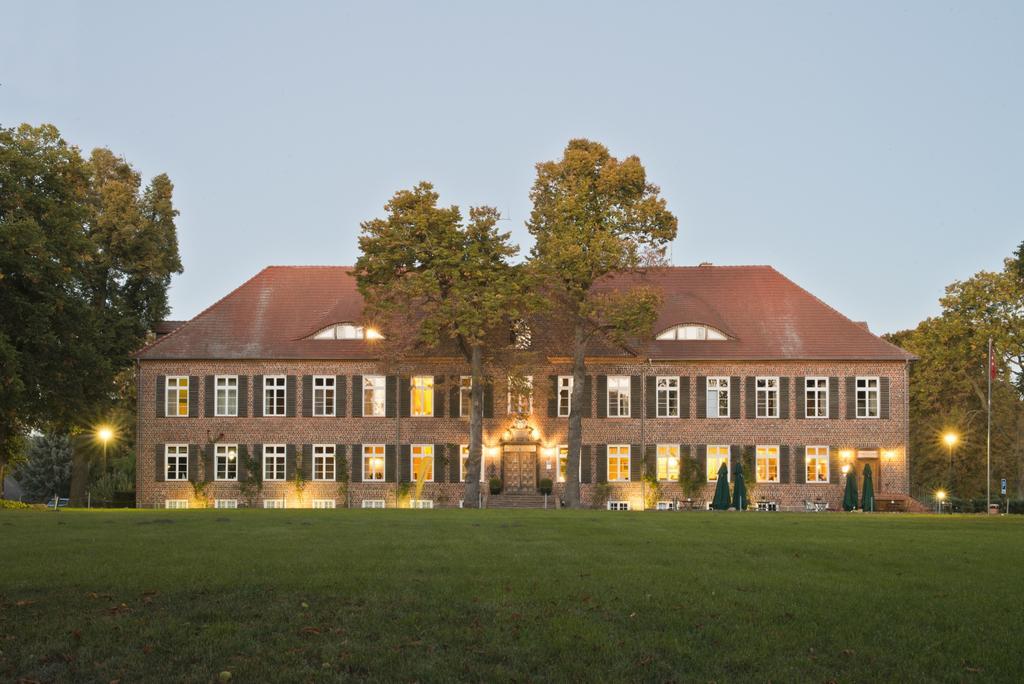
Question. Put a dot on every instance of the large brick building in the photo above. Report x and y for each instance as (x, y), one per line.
(276, 396)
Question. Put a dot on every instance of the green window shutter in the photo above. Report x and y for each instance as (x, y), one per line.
(735, 454)
(243, 465)
(193, 396)
(585, 463)
(307, 395)
(161, 396)
(289, 398)
(404, 397)
(209, 461)
(602, 463)
(650, 396)
(405, 465)
(734, 397)
(193, 462)
(210, 396)
(439, 396)
(636, 395)
(784, 464)
(257, 396)
(552, 396)
(651, 460)
(489, 399)
(243, 396)
(636, 462)
(341, 395)
(684, 396)
(357, 396)
(833, 398)
(453, 398)
(160, 462)
(851, 397)
(701, 454)
(454, 461)
(357, 463)
(784, 398)
(602, 396)
(390, 463)
(391, 396)
(587, 410)
(834, 470)
(702, 396)
(289, 461)
(307, 462)
(800, 390)
(751, 397)
(800, 464)
(883, 397)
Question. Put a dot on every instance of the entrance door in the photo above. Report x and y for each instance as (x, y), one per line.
(520, 465)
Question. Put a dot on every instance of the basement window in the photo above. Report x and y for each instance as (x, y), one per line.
(421, 503)
(176, 503)
(618, 505)
(373, 503)
(323, 503)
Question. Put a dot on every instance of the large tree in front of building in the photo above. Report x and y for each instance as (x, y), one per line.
(86, 256)
(594, 216)
(436, 280)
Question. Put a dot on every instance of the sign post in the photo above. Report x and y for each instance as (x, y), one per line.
(1006, 499)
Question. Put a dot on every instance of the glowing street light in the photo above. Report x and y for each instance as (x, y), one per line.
(950, 438)
(105, 433)
(940, 496)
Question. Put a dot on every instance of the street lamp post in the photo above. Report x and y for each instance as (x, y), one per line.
(950, 438)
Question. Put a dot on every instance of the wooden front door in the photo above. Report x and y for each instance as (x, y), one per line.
(520, 465)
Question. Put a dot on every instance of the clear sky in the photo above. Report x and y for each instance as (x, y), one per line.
(872, 151)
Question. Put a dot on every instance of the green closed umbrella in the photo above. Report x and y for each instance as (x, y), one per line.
(739, 488)
(850, 495)
(721, 500)
(867, 500)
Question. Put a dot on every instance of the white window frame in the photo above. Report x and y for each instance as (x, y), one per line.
(175, 504)
(559, 476)
(619, 455)
(767, 386)
(225, 452)
(819, 391)
(223, 390)
(370, 451)
(868, 392)
(421, 383)
(712, 473)
(421, 503)
(225, 503)
(325, 455)
(620, 395)
(465, 395)
(564, 391)
(763, 452)
(691, 332)
(274, 503)
(327, 382)
(821, 453)
(665, 506)
(529, 398)
(663, 452)
(172, 385)
(177, 452)
(375, 391)
(413, 456)
(324, 504)
(669, 391)
(279, 383)
(278, 454)
(373, 503)
(714, 386)
(618, 505)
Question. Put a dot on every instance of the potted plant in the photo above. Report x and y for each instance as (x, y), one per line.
(545, 486)
(495, 484)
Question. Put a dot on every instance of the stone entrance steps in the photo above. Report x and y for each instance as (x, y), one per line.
(518, 501)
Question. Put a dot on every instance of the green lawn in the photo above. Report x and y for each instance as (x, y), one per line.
(509, 595)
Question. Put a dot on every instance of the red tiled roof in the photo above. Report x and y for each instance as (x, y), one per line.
(765, 315)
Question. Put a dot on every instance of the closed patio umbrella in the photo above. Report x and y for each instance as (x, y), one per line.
(721, 500)
(850, 495)
(867, 500)
(739, 488)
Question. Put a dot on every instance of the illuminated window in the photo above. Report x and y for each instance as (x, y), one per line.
(816, 397)
(717, 455)
(176, 503)
(273, 503)
(464, 463)
(668, 462)
(767, 464)
(767, 397)
(618, 463)
(227, 395)
(323, 503)
(347, 331)
(422, 390)
(867, 397)
(225, 503)
(520, 395)
(564, 395)
(177, 395)
(718, 397)
(373, 463)
(373, 503)
(563, 463)
(374, 394)
(422, 456)
(323, 461)
(176, 462)
(275, 390)
(618, 505)
(323, 395)
(465, 394)
(691, 332)
(817, 463)
(226, 466)
(273, 462)
(668, 396)
(618, 396)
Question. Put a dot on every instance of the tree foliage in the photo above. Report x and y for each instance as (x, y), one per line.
(948, 390)
(47, 467)
(595, 216)
(86, 256)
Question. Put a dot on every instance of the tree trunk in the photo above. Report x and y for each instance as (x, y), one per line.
(471, 499)
(572, 464)
(79, 473)
(3, 476)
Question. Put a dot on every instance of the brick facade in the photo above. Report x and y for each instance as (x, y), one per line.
(887, 434)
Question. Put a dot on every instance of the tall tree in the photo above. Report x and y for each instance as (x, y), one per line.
(47, 469)
(86, 256)
(594, 216)
(456, 276)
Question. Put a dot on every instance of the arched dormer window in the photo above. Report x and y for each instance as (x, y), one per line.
(347, 331)
(691, 331)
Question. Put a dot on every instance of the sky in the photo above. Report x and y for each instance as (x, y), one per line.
(871, 151)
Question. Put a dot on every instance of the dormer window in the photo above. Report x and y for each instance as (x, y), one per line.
(691, 331)
(347, 331)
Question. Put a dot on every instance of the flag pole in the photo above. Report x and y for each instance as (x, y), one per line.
(988, 434)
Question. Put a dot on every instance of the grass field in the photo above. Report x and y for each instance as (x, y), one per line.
(516, 595)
